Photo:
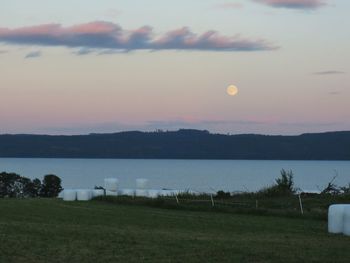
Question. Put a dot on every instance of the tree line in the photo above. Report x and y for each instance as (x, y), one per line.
(13, 185)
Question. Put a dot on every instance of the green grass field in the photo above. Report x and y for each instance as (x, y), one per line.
(48, 230)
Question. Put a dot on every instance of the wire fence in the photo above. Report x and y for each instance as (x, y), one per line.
(301, 204)
(213, 201)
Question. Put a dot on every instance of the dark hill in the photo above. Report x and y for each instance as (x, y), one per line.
(182, 144)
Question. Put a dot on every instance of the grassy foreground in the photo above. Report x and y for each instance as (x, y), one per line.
(48, 230)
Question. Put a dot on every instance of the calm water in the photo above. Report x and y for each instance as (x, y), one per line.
(198, 175)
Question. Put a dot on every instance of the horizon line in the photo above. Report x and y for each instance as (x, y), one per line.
(170, 131)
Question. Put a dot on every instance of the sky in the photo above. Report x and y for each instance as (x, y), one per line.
(84, 66)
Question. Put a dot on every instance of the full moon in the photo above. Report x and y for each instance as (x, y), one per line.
(232, 90)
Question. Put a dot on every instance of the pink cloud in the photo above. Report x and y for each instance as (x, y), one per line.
(294, 4)
(32, 30)
(101, 35)
(93, 28)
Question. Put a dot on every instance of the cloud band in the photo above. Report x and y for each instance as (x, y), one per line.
(293, 4)
(106, 35)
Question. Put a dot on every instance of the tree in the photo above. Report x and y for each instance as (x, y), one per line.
(34, 188)
(14, 185)
(9, 184)
(23, 187)
(51, 186)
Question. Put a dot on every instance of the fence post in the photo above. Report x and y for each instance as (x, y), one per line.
(177, 199)
(301, 204)
(212, 200)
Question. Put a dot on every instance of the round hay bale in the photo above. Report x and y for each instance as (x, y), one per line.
(346, 220)
(84, 195)
(60, 194)
(111, 184)
(127, 192)
(141, 183)
(98, 192)
(69, 195)
(153, 193)
(141, 193)
(335, 219)
(111, 193)
(166, 193)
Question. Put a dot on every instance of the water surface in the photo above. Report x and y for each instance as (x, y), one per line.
(198, 175)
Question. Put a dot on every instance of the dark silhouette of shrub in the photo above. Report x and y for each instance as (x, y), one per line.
(14, 185)
(51, 186)
(283, 186)
(222, 195)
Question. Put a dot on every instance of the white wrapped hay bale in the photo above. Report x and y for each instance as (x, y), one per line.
(141, 193)
(98, 192)
(111, 193)
(175, 192)
(111, 184)
(335, 219)
(153, 193)
(84, 195)
(60, 194)
(166, 193)
(127, 192)
(69, 195)
(346, 220)
(141, 183)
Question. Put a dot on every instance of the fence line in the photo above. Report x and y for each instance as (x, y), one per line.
(247, 204)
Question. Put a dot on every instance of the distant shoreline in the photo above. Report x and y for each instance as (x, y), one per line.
(177, 159)
(182, 144)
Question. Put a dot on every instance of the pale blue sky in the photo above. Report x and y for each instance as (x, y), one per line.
(57, 91)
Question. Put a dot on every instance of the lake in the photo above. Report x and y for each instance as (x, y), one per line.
(197, 175)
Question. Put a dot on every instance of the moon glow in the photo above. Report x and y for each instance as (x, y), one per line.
(232, 90)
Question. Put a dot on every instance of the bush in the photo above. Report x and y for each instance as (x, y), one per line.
(284, 186)
(222, 195)
(345, 189)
